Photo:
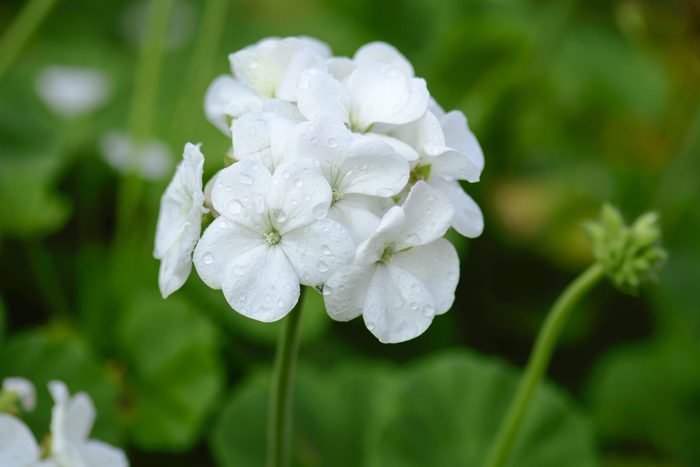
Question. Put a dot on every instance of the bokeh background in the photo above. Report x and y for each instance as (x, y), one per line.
(574, 103)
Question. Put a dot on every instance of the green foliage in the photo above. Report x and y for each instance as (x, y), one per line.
(174, 369)
(441, 411)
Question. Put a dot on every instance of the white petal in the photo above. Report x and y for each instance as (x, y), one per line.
(340, 67)
(321, 96)
(80, 417)
(398, 306)
(425, 134)
(24, 390)
(436, 265)
(373, 168)
(428, 216)
(227, 98)
(262, 136)
(301, 61)
(222, 242)
(71, 91)
(240, 192)
(390, 227)
(383, 94)
(262, 66)
(18, 448)
(345, 292)
(359, 214)
(299, 195)
(400, 147)
(179, 221)
(383, 53)
(261, 284)
(318, 250)
(326, 141)
(97, 453)
(468, 219)
(459, 137)
(454, 165)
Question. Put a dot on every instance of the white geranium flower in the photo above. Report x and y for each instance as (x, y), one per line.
(71, 422)
(358, 169)
(71, 91)
(272, 234)
(150, 159)
(372, 93)
(18, 448)
(265, 136)
(267, 70)
(404, 274)
(448, 152)
(180, 221)
(23, 390)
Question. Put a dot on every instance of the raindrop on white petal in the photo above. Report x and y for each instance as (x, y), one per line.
(281, 217)
(208, 258)
(234, 207)
(242, 297)
(385, 192)
(320, 211)
(414, 306)
(286, 174)
(428, 311)
(332, 142)
(298, 183)
(280, 303)
(259, 203)
(413, 238)
(370, 326)
(326, 250)
(245, 179)
(323, 267)
(327, 290)
(313, 140)
(364, 166)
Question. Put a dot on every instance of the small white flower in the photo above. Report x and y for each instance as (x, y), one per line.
(151, 159)
(180, 221)
(18, 448)
(266, 70)
(71, 422)
(404, 274)
(357, 168)
(373, 93)
(448, 152)
(72, 91)
(24, 391)
(265, 136)
(272, 234)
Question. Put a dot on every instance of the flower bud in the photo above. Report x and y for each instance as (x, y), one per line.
(629, 254)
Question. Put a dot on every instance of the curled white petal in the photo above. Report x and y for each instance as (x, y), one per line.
(23, 389)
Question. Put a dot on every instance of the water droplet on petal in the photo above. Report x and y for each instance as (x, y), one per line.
(332, 142)
(298, 183)
(259, 203)
(286, 174)
(280, 303)
(208, 258)
(370, 326)
(323, 267)
(320, 211)
(326, 250)
(242, 297)
(428, 311)
(234, 207)
(414, 306)
(245, 179)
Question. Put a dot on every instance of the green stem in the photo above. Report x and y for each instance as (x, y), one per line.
(280, 414)
(142, 106)
(539, 361)
(21, 30)
(203, 59)
(8, 401)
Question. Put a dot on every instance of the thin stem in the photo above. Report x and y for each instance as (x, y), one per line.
(203, 58)
(280, 414)
(21, 30)
(142, 106)
(539, 361)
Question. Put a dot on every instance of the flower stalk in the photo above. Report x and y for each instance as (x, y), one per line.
(539, 361)
(280, 410)
(21, 30)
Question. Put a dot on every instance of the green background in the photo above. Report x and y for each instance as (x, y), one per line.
(574, 103)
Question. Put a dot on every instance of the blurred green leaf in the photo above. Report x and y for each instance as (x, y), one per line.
(332, 415)
(449, 408)
(3, 324)
(45, 355)
(174, 368)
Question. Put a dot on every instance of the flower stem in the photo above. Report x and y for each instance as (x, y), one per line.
(539, 361)
(21, 30)
(280, 412)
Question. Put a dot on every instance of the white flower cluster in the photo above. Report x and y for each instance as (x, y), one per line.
(345, 177)
(71, 422)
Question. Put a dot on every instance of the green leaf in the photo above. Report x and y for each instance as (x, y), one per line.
(3, 325)
(175, 369)
(332, 413)
(449, 408)
(42, 356)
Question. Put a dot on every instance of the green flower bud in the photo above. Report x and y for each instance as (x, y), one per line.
(630, 255)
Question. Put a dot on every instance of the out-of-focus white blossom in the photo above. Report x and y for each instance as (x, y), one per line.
(18, 448)
(71, 91)
(24, 391)
(151, 159)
